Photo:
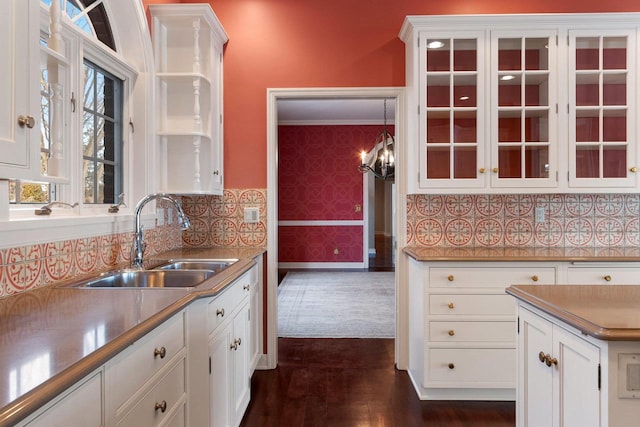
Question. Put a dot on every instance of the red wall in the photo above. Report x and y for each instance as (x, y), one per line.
(318, 179)
(330, 43)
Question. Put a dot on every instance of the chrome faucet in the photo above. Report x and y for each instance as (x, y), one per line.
(139, 245)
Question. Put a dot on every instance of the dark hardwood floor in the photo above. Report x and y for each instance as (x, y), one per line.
(353, 382)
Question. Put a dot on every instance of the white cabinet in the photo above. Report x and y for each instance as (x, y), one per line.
(462, 326)
(146, 383)
(188, 41)
(229, 348)
(255, 313)
(64, 411)
(533, 102)
(19, 110)
(590, 273)
(559, 375)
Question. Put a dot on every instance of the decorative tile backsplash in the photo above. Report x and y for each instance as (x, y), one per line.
(545, 220)
(219, 220)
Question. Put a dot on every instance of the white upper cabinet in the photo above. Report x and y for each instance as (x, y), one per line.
(188, 41)
(19, 109)
(521, 103)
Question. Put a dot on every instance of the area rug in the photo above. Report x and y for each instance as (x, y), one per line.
(336, 305)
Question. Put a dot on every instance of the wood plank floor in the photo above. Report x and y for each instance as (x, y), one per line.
(353, 382)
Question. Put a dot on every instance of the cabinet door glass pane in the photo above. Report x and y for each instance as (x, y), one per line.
(536, 126)
(464, 127)
(438, 55)
(587, 90)
(536, 162)
(536, 90)
(509, 126)
(587, 162)
(438, 127)
(587, 53)
(510, 90)
(536, 54)
(614, 161)
(438, 91)
(587, 126)
(464, 165)
(438, 163)
(464, 55)
(614, 127)
(509, 162)
(464, 91)
(614, 89)
(614, 53)
(509, 54)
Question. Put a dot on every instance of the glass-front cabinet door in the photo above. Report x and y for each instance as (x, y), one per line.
(523, 109)
(601, 109)
(452, 110)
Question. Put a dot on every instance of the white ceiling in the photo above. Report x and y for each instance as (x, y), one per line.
(335, 111)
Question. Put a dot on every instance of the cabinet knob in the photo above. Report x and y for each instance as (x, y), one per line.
(633, 169)
(451, 333)
(451, 305)
(607, 278)
(162, 352)
(162, 406)
(220, 312)
(542, 356)
(534, 278)
(235, 344)
(216, 172)
(450, 277)
(482, 170)
(495, 170)
(550, 360)
(246, 287)
(27, 121)
(451, 366)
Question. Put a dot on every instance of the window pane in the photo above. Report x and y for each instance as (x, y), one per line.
(88, 134)
(99, 135)
(89, 181)
(89, 87)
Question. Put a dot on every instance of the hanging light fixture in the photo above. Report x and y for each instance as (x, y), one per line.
(381, 162)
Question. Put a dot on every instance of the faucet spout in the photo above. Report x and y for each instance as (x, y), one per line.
(139, 245)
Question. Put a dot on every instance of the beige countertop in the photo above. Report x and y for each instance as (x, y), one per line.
(591, 254)
(52, 337)
(606, 312)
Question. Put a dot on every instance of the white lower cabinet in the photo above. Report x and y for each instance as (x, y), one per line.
(558, 377)
(86, 395)
(229, 347)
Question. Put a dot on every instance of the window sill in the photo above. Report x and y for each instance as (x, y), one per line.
(24, 231)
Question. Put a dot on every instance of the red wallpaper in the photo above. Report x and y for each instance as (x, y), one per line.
(318, 179)
(318, 244)
(333, 43)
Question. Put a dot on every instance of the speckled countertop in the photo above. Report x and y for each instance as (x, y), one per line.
(43, 333)
(607, 312)
(592, 254)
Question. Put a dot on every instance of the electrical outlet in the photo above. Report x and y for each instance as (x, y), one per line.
(251, 215)
(540, 215)
(336, 251)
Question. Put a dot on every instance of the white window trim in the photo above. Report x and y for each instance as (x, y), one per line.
(19, 225)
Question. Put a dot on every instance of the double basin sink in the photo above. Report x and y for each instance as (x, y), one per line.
(172, 274)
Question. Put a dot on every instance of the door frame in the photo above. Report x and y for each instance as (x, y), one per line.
(270, 360)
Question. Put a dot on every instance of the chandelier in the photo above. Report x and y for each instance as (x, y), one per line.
(380, 161)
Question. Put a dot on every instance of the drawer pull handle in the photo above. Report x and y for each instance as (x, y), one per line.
(451, 366)
(451, 333)
(482, 170)
(162, 406)
(607, 278)
(450, 278)
(246, 287)
(451, 305)
(534, 278)
(495, 170)
(633, 169)
(27, 121)
(220, 312)
(162, 352)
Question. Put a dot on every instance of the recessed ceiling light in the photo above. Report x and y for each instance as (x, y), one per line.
(464, 98)
(507, 77)
(435, 44)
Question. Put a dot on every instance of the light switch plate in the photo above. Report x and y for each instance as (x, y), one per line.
(251, 215)
(629, 376)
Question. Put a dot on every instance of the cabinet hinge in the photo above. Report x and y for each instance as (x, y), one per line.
(556, 40)
(568, 176)
(249, 311)
(556, 176)
(518, 325)
(556, 108)
(418, 109)
(418, 41)
(599, 376)
(209, 365)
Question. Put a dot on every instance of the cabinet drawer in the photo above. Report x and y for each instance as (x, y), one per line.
(168, 393)
(471, 367)
(65, 413)
(134, 366)
(223, 305)
(481, 304)
(605, 275)
(489, 277)
(472, 332)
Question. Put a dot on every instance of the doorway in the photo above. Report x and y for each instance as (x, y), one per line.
(399, 224)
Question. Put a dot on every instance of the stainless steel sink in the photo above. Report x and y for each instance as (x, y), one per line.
(215, 265)
(149, 279)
